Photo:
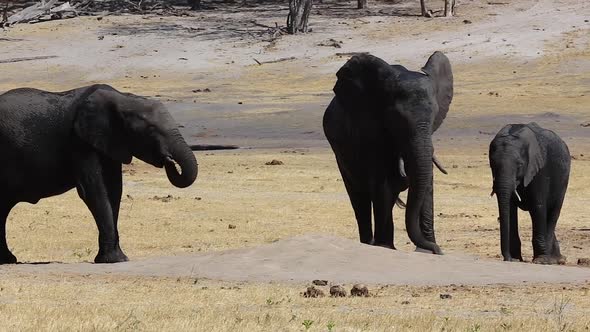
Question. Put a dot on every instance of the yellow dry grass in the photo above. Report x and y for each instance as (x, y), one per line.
(266, 203)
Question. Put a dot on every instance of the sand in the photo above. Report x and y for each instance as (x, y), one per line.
(308, 257)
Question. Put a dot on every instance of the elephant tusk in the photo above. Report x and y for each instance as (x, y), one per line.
(438, 164)
(400, 204)
(171, 162)
(517, 196)
(402, 168)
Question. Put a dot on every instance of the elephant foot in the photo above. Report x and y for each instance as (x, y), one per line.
(114, 255)
(549, 260)
(436, 251)
(513, 259)
(384, 245)
(7, 257)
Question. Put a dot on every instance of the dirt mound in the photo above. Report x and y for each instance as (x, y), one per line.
(309, 257)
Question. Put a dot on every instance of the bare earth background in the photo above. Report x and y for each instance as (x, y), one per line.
(517, 61)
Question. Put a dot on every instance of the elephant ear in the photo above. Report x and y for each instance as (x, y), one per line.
(535, 153)
(100, 124)
(361, 79)
(438, 68)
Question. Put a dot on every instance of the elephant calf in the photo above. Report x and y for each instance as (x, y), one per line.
(53, 142)
(530, 166)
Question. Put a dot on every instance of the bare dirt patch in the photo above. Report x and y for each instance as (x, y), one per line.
(309, 257)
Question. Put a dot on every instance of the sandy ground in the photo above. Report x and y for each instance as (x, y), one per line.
(515, 62)
(310, 257)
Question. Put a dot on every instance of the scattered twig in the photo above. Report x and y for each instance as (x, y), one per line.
(12, 60)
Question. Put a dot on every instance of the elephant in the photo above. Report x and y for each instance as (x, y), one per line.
(530, 168)
(52, 142)
(379, 125)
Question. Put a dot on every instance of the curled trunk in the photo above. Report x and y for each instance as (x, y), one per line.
(181, 154)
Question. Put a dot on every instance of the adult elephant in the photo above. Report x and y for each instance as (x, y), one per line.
(53, 142)
(379, 126)
(530, 167)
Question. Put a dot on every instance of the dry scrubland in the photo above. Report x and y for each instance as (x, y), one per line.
(305, 195)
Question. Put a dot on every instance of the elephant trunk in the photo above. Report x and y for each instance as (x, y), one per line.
(420, 182)
(181, 154)
(504, 187)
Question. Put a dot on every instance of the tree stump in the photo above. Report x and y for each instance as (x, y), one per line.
(195, 4)
(299, 11)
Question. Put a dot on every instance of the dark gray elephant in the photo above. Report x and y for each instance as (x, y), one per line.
(531, 167)
(379, 125)
(53, 142)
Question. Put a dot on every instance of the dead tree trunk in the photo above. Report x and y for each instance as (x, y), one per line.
(449, 8)
(195, 4)
(361, 4)
(423, 7)
(299, 11)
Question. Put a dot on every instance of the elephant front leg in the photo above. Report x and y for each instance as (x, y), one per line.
(360, 199)
(383, 200)
(93, 188)
(113, 176)
(6, 257)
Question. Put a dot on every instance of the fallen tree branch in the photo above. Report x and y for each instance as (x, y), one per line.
(209, 147)
(31, 12)
(275, 61)
(12, 60)
(351, 53)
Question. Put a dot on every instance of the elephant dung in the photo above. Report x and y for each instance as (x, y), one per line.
(313, 292)
(359, 290)
(320, 282)
(274, 162)
(337, 291)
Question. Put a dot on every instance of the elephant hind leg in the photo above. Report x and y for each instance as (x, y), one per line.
(552, 241)
(6, 257)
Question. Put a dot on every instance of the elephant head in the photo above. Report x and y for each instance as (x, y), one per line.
(121, 126)
(409, 107)
(515, 158)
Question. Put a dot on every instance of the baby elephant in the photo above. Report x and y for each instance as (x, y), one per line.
(530, 166)
(53, 142)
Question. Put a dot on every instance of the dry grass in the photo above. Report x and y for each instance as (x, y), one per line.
(266, 203)
(304, 195)
(106, 304)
